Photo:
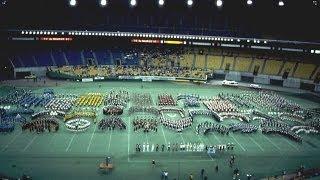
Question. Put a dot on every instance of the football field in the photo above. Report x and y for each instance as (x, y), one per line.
(68, 155)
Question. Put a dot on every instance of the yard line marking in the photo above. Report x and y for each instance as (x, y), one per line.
(13, 139)
(164, 136)
(182, 138)
(174, 161)
(271, 142)
(146, 137)
(291, 144)
(88, 148)
(202, 143)
(255, 143)
(216, 138)
(110, 141)
(129, 139)
(27, 146)
(67, 149)
(238, 143)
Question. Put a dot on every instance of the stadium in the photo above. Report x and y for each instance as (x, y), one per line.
(159, 89)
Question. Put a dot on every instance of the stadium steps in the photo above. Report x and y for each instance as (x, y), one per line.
(95, 58)
(222, 62)
(82, 57)
(281, 68)
(52, 59)
(287, 65)
(206, 61)
(35, 61)
(194, 60)
(20, 61)
(111, 56)
(65, 58)
(200, 61)
(257, 62)
(294, 69)
(250, 66)
(314, 72)
(263, 65)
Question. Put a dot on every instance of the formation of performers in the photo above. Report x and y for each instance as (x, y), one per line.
(181, 147)
(243, 127)
(41, 125)
(220, 105)
(142, 99)
(207, 127)
(111, 123)
(178, 125)
(113, 110)
(274, 126)
(146, 124)
(117, 98)
(166, 100)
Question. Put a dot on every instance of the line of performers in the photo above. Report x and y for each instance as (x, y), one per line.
(146, 124)
(207, 127)
(181, 147)
(178, 125)
(41, 125)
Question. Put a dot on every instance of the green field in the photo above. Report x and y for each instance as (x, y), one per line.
(67, 155)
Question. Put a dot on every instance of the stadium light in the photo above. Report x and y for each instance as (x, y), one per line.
(103, 3)
(161, 3)
(249, 2)
(133, 3)
(73, 2)
(315, 3)
(219, 3)
(281, 3)
(189, 3)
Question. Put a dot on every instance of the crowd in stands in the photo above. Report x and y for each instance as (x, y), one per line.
(146, 124)
(111, 123)
(116, 71)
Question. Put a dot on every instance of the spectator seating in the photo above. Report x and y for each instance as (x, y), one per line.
(272, 67)
(304, 71)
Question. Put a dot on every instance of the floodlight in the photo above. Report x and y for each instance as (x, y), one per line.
(73, 2)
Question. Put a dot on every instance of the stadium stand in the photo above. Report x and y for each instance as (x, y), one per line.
(272, 67)
(242, 64)
(288, 66)
(58, 58)
(228, 63)
(257, 63)
(304, 71)
(200, 61)
(187, 60)
(214, 62)
(74, 57)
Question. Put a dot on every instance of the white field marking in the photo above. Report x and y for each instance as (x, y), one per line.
(13, 139)
(164, 136)
(182, 138)
(88, 148)
(238, 143)
(110, 141)
(67, 149)
(255, 143)
(201, 141)
(291, 144)
(271, 142)
(216, 137)
(28, 145)
(129, 139)
(146, 136)
(175, 161)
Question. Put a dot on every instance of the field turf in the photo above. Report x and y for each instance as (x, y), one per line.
(67, 155)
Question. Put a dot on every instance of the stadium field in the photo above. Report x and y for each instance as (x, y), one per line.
(68, 155)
